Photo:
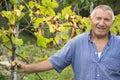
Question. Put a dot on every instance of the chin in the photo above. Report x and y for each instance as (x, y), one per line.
(101, 35)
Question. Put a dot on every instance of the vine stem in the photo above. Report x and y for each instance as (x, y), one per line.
(14, 51)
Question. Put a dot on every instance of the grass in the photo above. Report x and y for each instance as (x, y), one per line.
(67, 74)
(32, 54)
(37, 52)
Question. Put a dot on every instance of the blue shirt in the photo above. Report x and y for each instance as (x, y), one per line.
(82, 54)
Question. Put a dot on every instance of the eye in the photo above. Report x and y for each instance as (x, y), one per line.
(107, 19)
(98, 18)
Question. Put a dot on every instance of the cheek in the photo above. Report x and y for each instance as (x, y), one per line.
(96, 22)
(109, 25)
(93, 23)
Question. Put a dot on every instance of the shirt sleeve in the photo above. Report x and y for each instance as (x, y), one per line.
(62, 58)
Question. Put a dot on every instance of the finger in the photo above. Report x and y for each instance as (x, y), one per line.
(18, 64)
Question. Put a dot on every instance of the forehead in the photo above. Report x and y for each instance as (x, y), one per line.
(103, 13)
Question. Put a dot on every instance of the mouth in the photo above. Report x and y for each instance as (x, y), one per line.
(100, 29)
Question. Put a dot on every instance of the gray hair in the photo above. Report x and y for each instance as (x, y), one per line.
(103, 7)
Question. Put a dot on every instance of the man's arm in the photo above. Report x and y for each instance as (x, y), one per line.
(34, 67)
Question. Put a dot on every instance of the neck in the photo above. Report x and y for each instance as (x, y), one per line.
(100, 38)
(100, 42)
(94, 38)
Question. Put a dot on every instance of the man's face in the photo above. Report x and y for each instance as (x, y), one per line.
(101, 22)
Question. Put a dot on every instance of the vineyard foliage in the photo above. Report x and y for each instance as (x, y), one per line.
(62, 26)
(42, 19)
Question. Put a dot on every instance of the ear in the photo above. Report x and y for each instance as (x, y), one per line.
(113, 21)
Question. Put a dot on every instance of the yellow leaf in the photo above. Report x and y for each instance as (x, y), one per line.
(18, 13)
(59, 28)
(10, 52)
(66, 16)
(52, 30)
(44, 58)
(21, 7)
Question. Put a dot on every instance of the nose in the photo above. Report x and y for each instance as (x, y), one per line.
(101, 23)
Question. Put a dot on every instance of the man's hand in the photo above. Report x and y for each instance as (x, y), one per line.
(21, 66)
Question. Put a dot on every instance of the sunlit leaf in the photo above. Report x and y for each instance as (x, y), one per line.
(51, 28)
(31, 4)
(50, 12)
(113, 30)
(50, 3)
(21, 7)
(67, 24)
(49, 40)
(21, 16)
(13, 1)
(44, 58)
(41, 41)
(10, 52)
(16, 41)
(67, 11)
(11, 16)
(37, 22)
(56, 39)
(1, 32)
(5, 38)
(12, 19)
(54, 4)
(64, 36)
(18, 13)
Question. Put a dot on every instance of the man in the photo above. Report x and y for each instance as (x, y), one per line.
(94, 55)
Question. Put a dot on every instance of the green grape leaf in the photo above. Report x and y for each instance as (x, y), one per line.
(54, 4)
(16, 41)
(41, 41)
(37, 22)
(12, 19)
(21, 7)
(10, 52)
(49, 3)
(66, 11)
(1, 32)
(113, 30)
(44, 58)
(64, 36)
(56, 39)
(10, 16)
(21, 16)
(5, 38)
(13, 1)
(49, 40)
(50, 12)
(31, 4)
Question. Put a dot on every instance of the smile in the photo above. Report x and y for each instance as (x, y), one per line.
(100, 29)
